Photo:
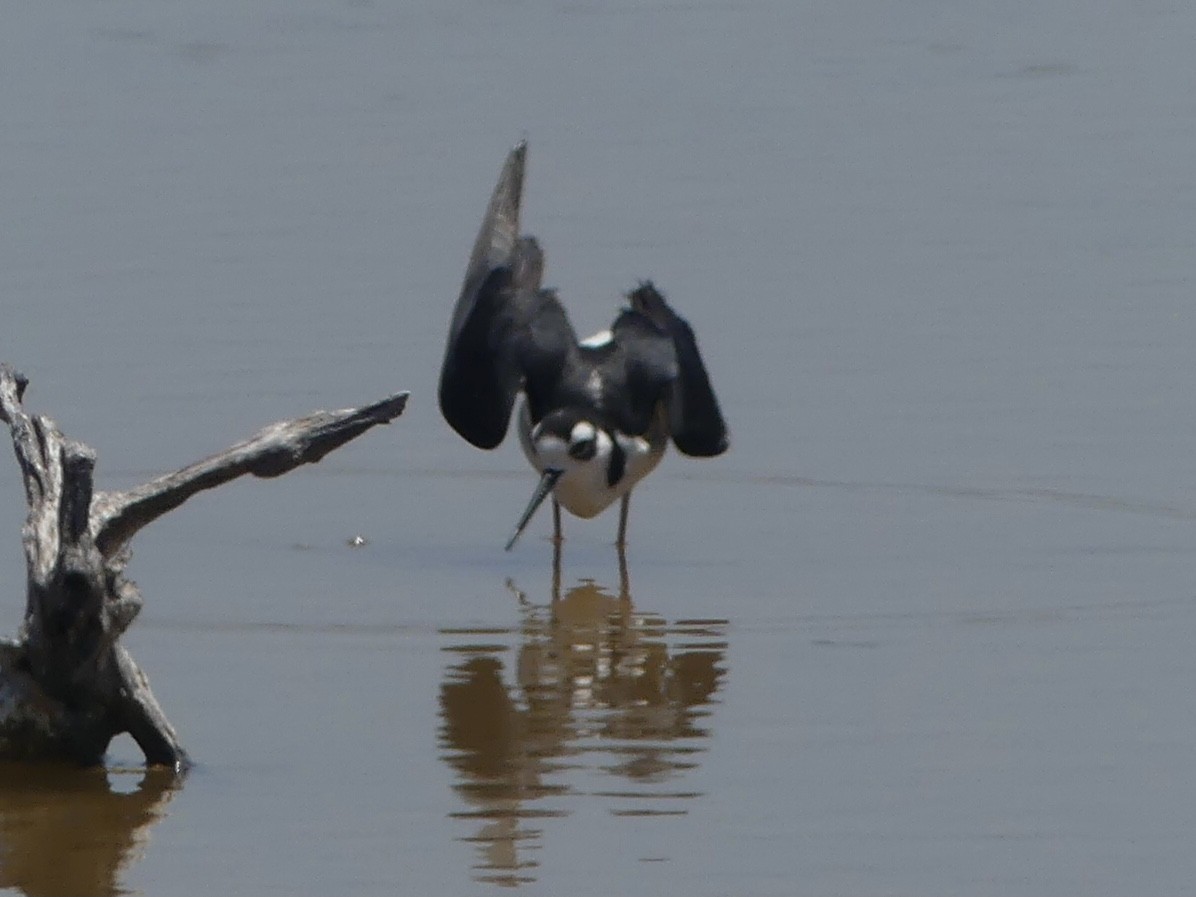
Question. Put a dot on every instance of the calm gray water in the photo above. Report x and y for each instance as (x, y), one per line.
(926, 629)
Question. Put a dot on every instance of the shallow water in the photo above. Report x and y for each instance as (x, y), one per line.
(925, 629)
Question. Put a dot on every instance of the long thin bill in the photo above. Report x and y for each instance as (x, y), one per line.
(547, 481)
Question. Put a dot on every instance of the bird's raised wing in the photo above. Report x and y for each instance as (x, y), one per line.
(495, 242)
(664, 359)
(505, 329)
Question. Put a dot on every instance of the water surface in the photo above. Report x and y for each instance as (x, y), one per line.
(927, 628)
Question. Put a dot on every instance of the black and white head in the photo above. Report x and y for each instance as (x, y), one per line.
(579, 459)
(590, 461)
(570, 441)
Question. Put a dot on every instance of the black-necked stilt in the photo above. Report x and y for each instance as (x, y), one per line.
(598, 413)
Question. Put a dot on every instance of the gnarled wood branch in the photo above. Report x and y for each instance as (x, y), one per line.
(277, 449)
(66, 686)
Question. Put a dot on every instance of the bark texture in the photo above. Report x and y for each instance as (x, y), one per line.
(67, 686)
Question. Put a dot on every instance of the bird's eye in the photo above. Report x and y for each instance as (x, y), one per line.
(583, 449)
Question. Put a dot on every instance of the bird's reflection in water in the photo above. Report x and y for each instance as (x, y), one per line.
(67, 831)
(586, 684)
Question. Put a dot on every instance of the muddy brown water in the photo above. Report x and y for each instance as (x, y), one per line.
(926, 629)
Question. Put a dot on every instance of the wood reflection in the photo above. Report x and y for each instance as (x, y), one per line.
(65, 831)
(594, 685)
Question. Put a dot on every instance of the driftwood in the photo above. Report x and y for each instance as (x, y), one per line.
(67, 687)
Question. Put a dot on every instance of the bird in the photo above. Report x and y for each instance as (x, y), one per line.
(598, 413)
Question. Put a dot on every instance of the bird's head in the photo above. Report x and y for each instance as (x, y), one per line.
(568, 445)
(568, 441)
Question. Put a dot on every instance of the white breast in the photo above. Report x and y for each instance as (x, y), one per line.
(582, 489)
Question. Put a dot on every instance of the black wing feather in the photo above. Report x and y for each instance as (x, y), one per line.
(477, 391)
(494, 317)
(513, 336)
(496, 241)
(649, 368)
(695, 421)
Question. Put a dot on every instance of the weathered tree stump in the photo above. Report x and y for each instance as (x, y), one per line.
(67, 687)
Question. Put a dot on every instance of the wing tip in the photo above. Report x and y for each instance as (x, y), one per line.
(650, 302)
(705, 445)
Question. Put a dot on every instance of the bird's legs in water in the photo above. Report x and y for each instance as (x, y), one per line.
(621, 541)
(621, 546)
(557, 539)
(556, 571)
(624, 578)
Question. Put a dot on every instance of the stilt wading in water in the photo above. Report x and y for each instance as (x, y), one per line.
(597, 414)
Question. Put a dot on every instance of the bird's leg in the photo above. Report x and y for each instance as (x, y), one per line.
(624, 577)
(621, 541)
(557, 539)
(556, 571)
